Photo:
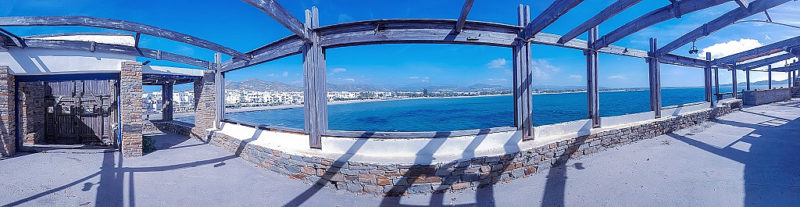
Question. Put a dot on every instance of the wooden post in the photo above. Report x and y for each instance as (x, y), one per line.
(769, 76)
(592, 93)
(734, 82)
(655, 79)
(707, 79)
(219, 82)
(716, 84)
(315, 93)
(167, 108)
(523, 78)
(747, 76)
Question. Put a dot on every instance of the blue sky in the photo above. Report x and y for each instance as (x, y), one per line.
(242, 27)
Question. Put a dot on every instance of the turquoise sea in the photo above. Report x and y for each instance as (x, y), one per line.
(446, 114)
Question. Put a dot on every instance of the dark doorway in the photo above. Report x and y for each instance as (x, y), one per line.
(67, 110)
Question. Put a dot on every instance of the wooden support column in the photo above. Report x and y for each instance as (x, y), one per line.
(219, 92)
(716, 84)
(523, 78)
(789, 79)
(707, 79)
(734, 82)
(166, 102)
(655, 79)
(315, 93)
(747, 76)
(769, 76)
(592, 92)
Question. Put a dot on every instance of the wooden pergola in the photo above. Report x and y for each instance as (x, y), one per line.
(311, 40)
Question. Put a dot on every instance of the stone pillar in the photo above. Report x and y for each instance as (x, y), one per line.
(7, 113)
(130, 87)
(204, 100)
(166, 102)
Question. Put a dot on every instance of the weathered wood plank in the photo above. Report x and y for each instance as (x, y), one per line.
(707, 79)
(604, 15)
(759, 51)
(523, 79)
(592, 89)
(219, 95)
(277, 12)
(674, 10)
(655, 79)
(463, 16)
(118, 25)
(548, 16)
(743, 4)
(290, 45)
(720, 22)
(787, 68)
(314, 78)
(682, 61)
(112, 48)
(765, 61)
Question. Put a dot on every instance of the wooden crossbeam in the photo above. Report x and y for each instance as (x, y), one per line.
(742, 3)
(765, 61)
(428, 31)
(277, 12)
(13, 38)
(463, 16)
(760, 51)
(675, 10)
(118, 25)
(113, 48)
(604, 15)
(720, 22)
(787, 68)
(548, 16)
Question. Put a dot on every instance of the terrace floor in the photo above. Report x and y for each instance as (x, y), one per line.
(747, 158)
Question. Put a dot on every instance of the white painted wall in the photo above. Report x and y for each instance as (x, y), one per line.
(438, 150)
(34, 61)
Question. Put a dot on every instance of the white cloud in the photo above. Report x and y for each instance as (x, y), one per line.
(498, 63)
(542, 69)
(285, 74)
(339, 70)
(349, 79)
(729, 48)
(421, 79)
(575, 77)
(618, 77)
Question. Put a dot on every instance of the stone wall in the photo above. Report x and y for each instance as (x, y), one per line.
(205, 105)
(32, 112)
(401, 179)
(758, 97)
(161, 127)
(131, 108)
(7, 113)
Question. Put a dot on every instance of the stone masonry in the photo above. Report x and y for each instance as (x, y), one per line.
(131, 108)
(205, 110)
(397, 179)
(32, 112)
(7, 113)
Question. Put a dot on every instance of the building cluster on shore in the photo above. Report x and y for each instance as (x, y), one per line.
(183, 101)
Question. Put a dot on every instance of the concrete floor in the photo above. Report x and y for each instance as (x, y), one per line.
(747, 158)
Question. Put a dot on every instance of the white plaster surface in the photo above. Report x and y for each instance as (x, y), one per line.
(33, 61)
(436, 150)
(165, 70)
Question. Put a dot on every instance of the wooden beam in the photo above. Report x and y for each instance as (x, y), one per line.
(463, 16)
(277, 12)
(548, 16)
(19, 42)
(655, 79)
(720, 22)
(735, 83)
(113, 48)
(665, 13)
(592, 89)
(219, 95)
(523, 79)
(742, 3)
(769, 76)
(315, 102)
(786, 68)
(682, 61)
(291, 45)
(707, 79)
(765, 61)
(759, 51)
(118, 25)
(604, 15)
(747, 78)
